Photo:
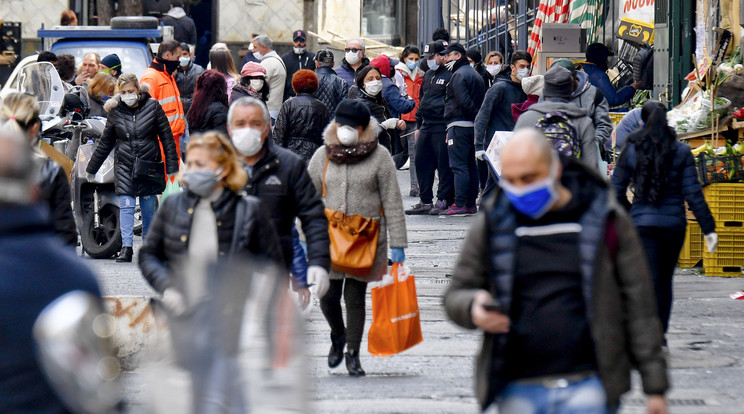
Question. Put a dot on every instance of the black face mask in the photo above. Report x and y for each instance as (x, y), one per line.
(170, 65)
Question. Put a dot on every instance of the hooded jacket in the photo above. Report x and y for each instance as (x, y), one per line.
(331, 88)
(347, 73)
(587, 96)
(300, 124)
(432, 103)
(184, 29)
(276, 77)
(495, 114)
(162, 87)
(397, 104)
(413, 80)
(601, 81)
(616, 286)
(465, 93)
(519, 109)
(579, 119)
(186, 82)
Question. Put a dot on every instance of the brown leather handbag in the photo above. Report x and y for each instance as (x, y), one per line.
(353, 239)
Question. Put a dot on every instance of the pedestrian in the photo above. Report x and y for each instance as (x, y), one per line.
(209, 109)
(533, 88)
(20, 115)
(408, 69)
(111, 64)
(68, 18)
(630, 122)
(357, 176)
(476, 62)
(100, 89)
(66, 70)
(302, 119)
(279, 178)
(369, 87)
(557, 92)
(186, 75)
(222, 62)
(354, 60)
(88, 69)
(441, 35)
(331, 88)
(249, 56)
(297, 59)
(184, 29)
(465, 93)
(553, 274)
(276, 72)
(163, 88)
(208, 224)
(47, 56)
(662, 174)
(596, 65)
(494, 64)
(431, 142)
(136, 128)
(37, 269)
(252, 83)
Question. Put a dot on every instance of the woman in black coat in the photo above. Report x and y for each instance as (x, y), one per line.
(302, 119)
(368, 90)
(208, 110)
(136, 127)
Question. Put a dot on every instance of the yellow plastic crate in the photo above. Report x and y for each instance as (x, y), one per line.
(616, 117)
(729, 256)
(726, 201)
(692, 251)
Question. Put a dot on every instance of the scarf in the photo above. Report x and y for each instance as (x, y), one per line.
(341, 154)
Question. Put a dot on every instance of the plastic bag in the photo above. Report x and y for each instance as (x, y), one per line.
(171, 187)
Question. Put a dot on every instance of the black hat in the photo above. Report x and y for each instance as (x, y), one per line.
(352, 113)
(299, 35)
(435, 47)
(112, 61)
(558, 82)
(455, 47)
(324, 56)
(475, 55)
(598, 53)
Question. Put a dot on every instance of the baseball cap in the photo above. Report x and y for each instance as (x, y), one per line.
(455, 47)
(299, 35)
(433, 48)
(324, 56)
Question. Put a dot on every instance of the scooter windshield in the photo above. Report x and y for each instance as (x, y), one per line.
(43, 82)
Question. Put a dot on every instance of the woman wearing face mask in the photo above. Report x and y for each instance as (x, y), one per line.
(136, 128)
(494, 63)
(476, 62)
(209, 108)
(252, 83)
(222, 61)
(100, 89)
(413, 77)
(368, 90)
(359, 177)
(208, 224)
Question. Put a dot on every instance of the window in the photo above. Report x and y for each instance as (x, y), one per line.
(382, 20)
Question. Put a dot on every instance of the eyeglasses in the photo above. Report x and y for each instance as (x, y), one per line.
(347, 50)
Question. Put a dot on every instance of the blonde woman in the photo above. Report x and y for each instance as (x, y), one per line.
(100, 89)
(136, 128)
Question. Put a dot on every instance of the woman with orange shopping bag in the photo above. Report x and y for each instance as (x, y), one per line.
(357, 178)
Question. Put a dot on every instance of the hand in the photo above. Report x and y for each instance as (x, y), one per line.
(304, 296)
(711, 242)
(480, 155)
(491, 322)
(174, 301)
(656, 404)
(389, 123)
(636, 85)
(318, 277)
(415, 135)
(398, 254)
(401, 124)
(81, 78)
(90, 177)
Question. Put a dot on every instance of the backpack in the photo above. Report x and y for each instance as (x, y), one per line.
(643, 68)
(558, 128)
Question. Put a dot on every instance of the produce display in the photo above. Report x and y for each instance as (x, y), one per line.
(720, 165)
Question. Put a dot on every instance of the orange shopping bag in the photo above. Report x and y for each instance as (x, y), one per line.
(396, 323)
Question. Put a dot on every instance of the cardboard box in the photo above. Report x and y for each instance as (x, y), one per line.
(563, 37)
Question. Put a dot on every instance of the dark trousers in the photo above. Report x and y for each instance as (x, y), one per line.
(461, 149)
(431, 157)
(662, 250)
(482, 173)
(354, 293)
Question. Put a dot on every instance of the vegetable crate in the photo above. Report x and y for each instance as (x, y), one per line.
(692, 251)
(726, 202)
(728, 259)
(723, 169)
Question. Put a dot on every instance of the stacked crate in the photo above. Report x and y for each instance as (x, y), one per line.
(726, 202)
(692, 251)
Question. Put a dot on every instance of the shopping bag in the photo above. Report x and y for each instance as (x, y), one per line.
(171, 187)
(396, 323)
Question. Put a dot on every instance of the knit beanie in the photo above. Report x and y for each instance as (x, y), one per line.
(558, 83)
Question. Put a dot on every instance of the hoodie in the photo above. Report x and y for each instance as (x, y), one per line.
(496, 112)
(587, 96)
(599, 78)
(184, 29)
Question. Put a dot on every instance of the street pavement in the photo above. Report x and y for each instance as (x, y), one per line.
(706, 341)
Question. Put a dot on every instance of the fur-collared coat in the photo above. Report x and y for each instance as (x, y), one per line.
(363, 185)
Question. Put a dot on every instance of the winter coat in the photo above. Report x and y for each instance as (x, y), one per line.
(331, 88)
(300, 124)
(616, 280)
(162, 87)
(215, 119)
(136, 133)
(430, 113)
(363, 188)
(495, 114)
(280, 180)
(630, 122)
(295, 62)
(347, 73)
(593, 100)
(601, 81)
(276, 77)
(379, 110)
(578, 117)
(186, 82)
(95, 107)
(413, 80)
(519, 109)
(184, 29)
(55, 192)
(682, 185)
(239, 91)
(37, 269)
(465, 93)
(168, 239)
(397, 104)
(487, 78)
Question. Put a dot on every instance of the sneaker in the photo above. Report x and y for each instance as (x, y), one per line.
(439, 207)
(419, 208)
(414, 191)
(472, 210)
(455, 211)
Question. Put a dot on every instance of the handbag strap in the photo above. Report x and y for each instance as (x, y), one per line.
(325, 168)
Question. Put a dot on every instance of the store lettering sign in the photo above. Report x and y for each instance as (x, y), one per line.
(642, 10)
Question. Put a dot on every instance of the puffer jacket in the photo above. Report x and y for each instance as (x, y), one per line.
(616, 285)
(430, 113)
(215, 119)
(186, 82)
(347, 73)
(136, 133)
(599, 78)
(495, 114)
(331, 88)
(682, 185)
(300, 124)
(379, 110)
(465, 93)
(167, 241)
(95, 107)
(413, 80)
(55, 192)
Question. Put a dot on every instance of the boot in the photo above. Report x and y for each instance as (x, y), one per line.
(125, 255)
(353, 365)
(336, 354)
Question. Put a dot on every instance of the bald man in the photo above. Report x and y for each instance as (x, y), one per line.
(553, 273)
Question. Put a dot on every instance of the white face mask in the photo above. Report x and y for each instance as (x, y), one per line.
(493, 69)
(129, 98)
(257, 84)
(257, 55)
(523, 73)
(432, 63)
(247, 141)
(472, 65)
(373, 87)
(184, 61)
(352, 57)
(347, 135)
(299, 50)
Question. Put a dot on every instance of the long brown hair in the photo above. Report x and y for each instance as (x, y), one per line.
(222, 62)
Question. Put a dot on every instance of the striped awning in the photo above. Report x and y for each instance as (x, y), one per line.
(590, 15)
(549, 11)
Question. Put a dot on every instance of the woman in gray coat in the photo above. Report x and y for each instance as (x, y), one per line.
(360, 178)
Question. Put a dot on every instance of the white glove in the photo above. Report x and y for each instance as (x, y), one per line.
(479, 155)
(711, 242)
(317, 277)
(174, 301)
(90, 177)
(389, 123)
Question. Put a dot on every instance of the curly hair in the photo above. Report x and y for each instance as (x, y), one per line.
(210, 87)
(654, 145)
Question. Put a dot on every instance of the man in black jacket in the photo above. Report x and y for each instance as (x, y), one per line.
(332, 89)
(279, 178)
(186, 75)
(465, 93)
(431, 146)
(298, 58)
(184, 29)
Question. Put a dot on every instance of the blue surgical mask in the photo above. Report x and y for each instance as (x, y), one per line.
(533, 200)
(411, 64)
(432, 63)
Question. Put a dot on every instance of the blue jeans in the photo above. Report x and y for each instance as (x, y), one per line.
(582, 397)
(126, 216)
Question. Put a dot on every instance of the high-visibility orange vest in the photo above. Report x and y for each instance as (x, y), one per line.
(163, 88)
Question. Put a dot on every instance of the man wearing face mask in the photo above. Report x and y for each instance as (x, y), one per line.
(465, 93)
(278, 177)
(555, 259)
(276, 72)
(186, 76)
(297, 59)
(354, 61)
